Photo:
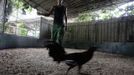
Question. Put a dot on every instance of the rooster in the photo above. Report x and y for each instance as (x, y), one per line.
(58, 53)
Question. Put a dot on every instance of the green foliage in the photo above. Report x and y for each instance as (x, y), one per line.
(105, 14)
(86, 17)
(17, 3)
(20, 4)
(23, 32)
(14, 5)
(22, 29)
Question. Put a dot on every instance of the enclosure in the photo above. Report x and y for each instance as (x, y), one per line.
(107, 24)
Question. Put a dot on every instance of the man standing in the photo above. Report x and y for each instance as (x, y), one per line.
(60, 14)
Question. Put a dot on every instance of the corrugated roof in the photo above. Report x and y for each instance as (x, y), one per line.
(74, 6)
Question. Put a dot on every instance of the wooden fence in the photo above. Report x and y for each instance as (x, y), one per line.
(113, 30)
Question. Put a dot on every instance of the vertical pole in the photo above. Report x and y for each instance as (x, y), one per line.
(126, 30)
(4, 16)
(96, 33)
(40, 22)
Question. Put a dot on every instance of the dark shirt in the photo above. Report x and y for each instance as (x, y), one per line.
(59, 12)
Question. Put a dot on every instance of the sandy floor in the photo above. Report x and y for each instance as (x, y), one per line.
(37, 62)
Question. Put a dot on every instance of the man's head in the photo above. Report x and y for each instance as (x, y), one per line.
(59, 2)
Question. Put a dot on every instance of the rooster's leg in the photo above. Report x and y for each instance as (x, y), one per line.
(79, 69)
(69, 69)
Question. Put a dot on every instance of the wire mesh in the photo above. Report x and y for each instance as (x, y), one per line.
(16, 22)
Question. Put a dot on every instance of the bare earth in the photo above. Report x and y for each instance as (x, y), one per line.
(37, 62)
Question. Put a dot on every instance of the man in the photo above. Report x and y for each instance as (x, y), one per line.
(60, 14)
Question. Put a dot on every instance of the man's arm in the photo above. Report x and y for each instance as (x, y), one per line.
(65, 18)
(46, 14)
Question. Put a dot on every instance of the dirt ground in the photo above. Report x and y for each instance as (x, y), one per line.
(37, 62)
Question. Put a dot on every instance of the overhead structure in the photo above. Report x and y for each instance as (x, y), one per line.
(75, 6)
